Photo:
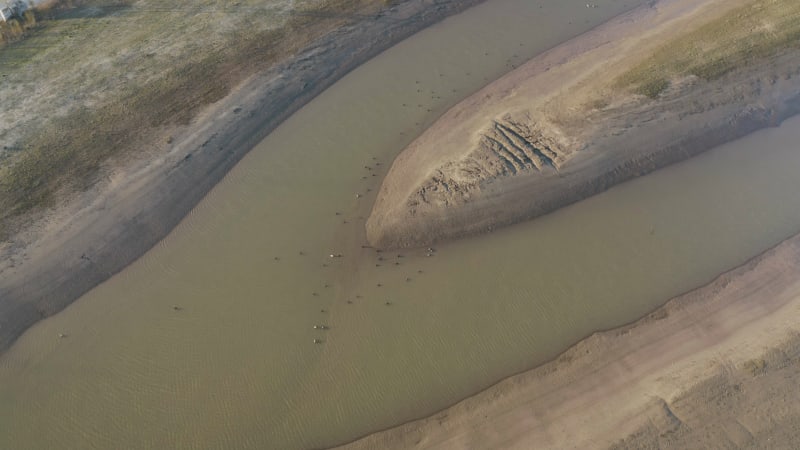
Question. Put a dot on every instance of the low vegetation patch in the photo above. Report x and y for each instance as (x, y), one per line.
(755, 367)
(741, 37)
(15, 29)
(652, 88)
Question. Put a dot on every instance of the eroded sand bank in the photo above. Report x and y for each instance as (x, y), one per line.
(554, 131)
(716, 367)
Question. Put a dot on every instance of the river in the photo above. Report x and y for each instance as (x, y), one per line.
(208, 341)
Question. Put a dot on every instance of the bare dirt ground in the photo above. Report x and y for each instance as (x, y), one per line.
(589, 114)
(717, 367)
(115, 205)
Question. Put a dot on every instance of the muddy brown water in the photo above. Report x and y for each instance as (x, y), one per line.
(208, 340)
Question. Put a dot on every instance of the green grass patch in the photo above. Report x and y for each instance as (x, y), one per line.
(739, 38)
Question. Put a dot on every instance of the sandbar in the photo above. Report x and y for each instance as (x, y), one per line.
(558, 129)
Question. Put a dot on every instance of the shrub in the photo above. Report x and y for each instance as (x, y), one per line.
(652, 88)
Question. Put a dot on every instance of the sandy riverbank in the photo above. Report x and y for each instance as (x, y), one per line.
(557, 129)
(107, 227)
(714, 368)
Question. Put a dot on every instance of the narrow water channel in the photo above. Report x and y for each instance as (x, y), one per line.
(208, 340)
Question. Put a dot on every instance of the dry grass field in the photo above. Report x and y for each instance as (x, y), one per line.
(98, 81)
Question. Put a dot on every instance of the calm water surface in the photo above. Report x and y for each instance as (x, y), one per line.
(250, 269)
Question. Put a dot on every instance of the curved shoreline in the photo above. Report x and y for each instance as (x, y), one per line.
(522, 147)
(650, 382)
(111, 225)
